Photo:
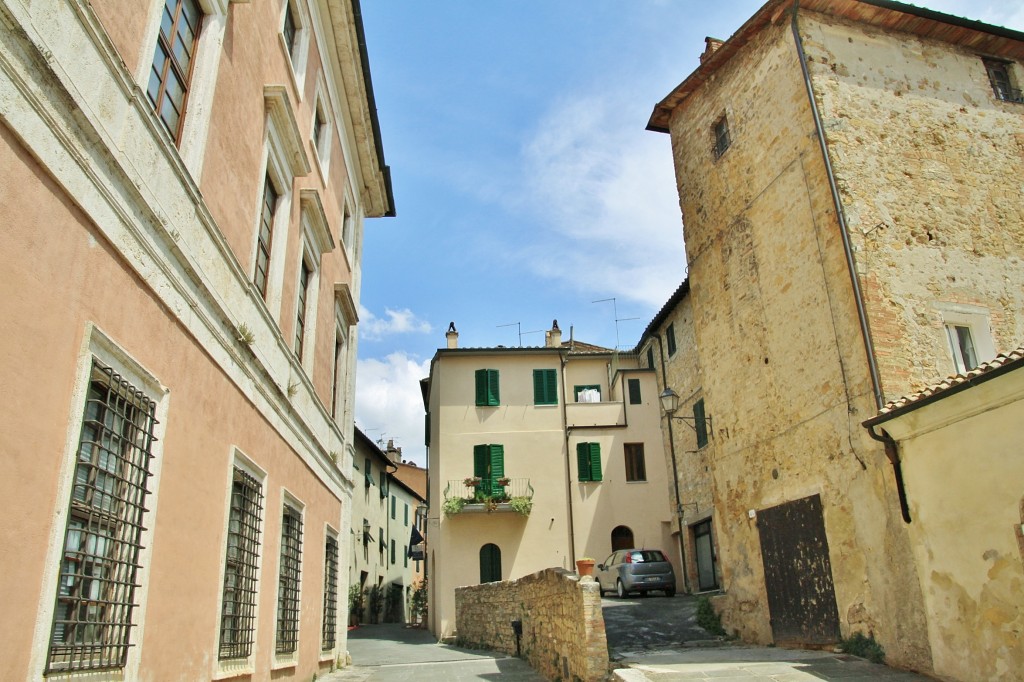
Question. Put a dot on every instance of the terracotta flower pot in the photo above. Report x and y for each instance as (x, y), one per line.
(585, 567)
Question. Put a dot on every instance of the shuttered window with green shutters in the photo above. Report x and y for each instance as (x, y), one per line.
(700, 423)
(545, 387)
(487, 387)
(489, 466)
(490, 563)
(588, 459)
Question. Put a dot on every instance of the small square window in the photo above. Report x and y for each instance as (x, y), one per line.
(961, 343)
(1002, 83)
(721, 134)
(487, 394)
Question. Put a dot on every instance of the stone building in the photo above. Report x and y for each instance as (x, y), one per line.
(384, 512)
(848, 173)
(184, 185)
(667, 347)
(538, 457)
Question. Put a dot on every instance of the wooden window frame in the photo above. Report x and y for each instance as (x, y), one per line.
(636, 466)
(171, 65)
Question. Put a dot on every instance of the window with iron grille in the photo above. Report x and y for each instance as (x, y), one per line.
(329, 630)
(288, 581)
(172, 62)
(1002, 83)
(265, 237)
(721, 134)
(92, 618)
(238, 607)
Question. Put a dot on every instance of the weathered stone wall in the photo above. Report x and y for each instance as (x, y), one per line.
(928, 162)
(563, 626)
(784, 370)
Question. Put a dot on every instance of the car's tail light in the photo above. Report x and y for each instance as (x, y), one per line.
(629, 558)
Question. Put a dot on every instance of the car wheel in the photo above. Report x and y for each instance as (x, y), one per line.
(670, 592)
(620, 589)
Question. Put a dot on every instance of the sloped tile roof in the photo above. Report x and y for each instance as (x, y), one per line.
(950, 383)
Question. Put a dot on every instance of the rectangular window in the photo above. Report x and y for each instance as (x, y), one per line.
(288, 581)
(961, 343)
(300, 322)
(266, 234)
(405, 556)
(393, 555)
(670, 339)
(290, 30)
(720, 131)
(394, 507)
(406, 513)
(545, 387)
(383, 477)
(700, 423)
(382, 545)
(238, 608)
(587, 393)
(650, 357)
(487, 387)
(588, 459)
(1002, 84)
(170, 76)
(635, 469)
(634, 391)
(489, 467)
(328, 633)
(92, 619)
(367, 473)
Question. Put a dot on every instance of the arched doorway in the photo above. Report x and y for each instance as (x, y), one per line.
(490, 563)
(622, 538)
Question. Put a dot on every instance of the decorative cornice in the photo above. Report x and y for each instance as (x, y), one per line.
(343, 297)
(282, 115)
(313, 208)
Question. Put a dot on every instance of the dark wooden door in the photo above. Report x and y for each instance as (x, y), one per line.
(798, 573)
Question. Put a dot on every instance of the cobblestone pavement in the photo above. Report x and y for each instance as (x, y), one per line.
(650, 623)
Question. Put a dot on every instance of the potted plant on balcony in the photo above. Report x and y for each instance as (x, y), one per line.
(472, 481)
(503, 481)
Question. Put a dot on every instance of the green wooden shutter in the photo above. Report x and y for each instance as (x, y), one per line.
(481, 459)
(634, 392)
(492, 387)
(481, 387)
(583, 460)
(595, 461)
(497, 468)
(545, 388)
(700, 423)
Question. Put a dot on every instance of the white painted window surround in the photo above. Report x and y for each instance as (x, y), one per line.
(322, 144)
(316, 241)
(289, 501)
(199, 105)
(298, 57)
(975, 329)
(97, 345)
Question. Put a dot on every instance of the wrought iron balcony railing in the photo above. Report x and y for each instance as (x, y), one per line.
(475, 489)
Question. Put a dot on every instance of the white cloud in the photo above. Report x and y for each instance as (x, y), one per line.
(402, 321)
(388, 402)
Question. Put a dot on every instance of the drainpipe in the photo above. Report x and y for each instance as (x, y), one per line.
(563, 360)
(837, 202)
(893, 453)
(675, 474)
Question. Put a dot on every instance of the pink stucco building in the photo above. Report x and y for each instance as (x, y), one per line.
(183, 188)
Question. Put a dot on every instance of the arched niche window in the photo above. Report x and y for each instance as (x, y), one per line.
(490, 563)
(622, 538)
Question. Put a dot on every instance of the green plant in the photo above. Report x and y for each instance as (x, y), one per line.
(293, 388)
(708, 618)
(419, 602)
(356, 596)
(521, 505)
(865, 647)
(375, 598)
(245, 334)
(453, 505)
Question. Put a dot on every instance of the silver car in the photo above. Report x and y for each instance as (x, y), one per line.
(636, 570)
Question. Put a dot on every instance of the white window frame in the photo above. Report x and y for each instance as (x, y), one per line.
(298, 63)
(348, 231)
(346, 318)
(316, 241)
(228, 668)
(203, 82)
(322, 146)
(289, 500)
(284, 160)
(976, 319)
(97, 345)
(330, 654)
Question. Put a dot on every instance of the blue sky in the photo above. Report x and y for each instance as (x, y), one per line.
(525, 183)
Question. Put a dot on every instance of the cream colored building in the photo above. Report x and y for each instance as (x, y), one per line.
(384, 512)
(183, 185)
(849, 178)
(568, 433)
(959, 443)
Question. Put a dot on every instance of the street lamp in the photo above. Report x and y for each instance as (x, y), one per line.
(670, 403)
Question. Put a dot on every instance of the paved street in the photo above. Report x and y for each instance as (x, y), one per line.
(650, 623)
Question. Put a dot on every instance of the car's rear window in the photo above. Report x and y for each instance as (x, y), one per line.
(646, 556)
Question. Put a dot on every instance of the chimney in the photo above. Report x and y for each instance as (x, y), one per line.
(553, 337)
(711, 46)
(452, 336)
(393, 453)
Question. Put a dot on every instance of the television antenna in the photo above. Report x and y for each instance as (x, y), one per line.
(519, 328)
(615, 312)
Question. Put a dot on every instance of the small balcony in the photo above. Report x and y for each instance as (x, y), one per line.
(582, 415)
(475, 495)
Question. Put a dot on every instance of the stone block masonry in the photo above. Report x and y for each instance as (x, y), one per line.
(563, 635)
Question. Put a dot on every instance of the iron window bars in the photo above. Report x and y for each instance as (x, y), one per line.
(330, 625)
(238, 610)
(92, 617)
(288, 581)
(999, 77)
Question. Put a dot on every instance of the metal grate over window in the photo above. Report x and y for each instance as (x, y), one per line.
(238, 611)
(92, 618)
(288, 581)
(330, 594)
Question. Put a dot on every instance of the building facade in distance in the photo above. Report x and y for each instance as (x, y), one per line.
(184, 185)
